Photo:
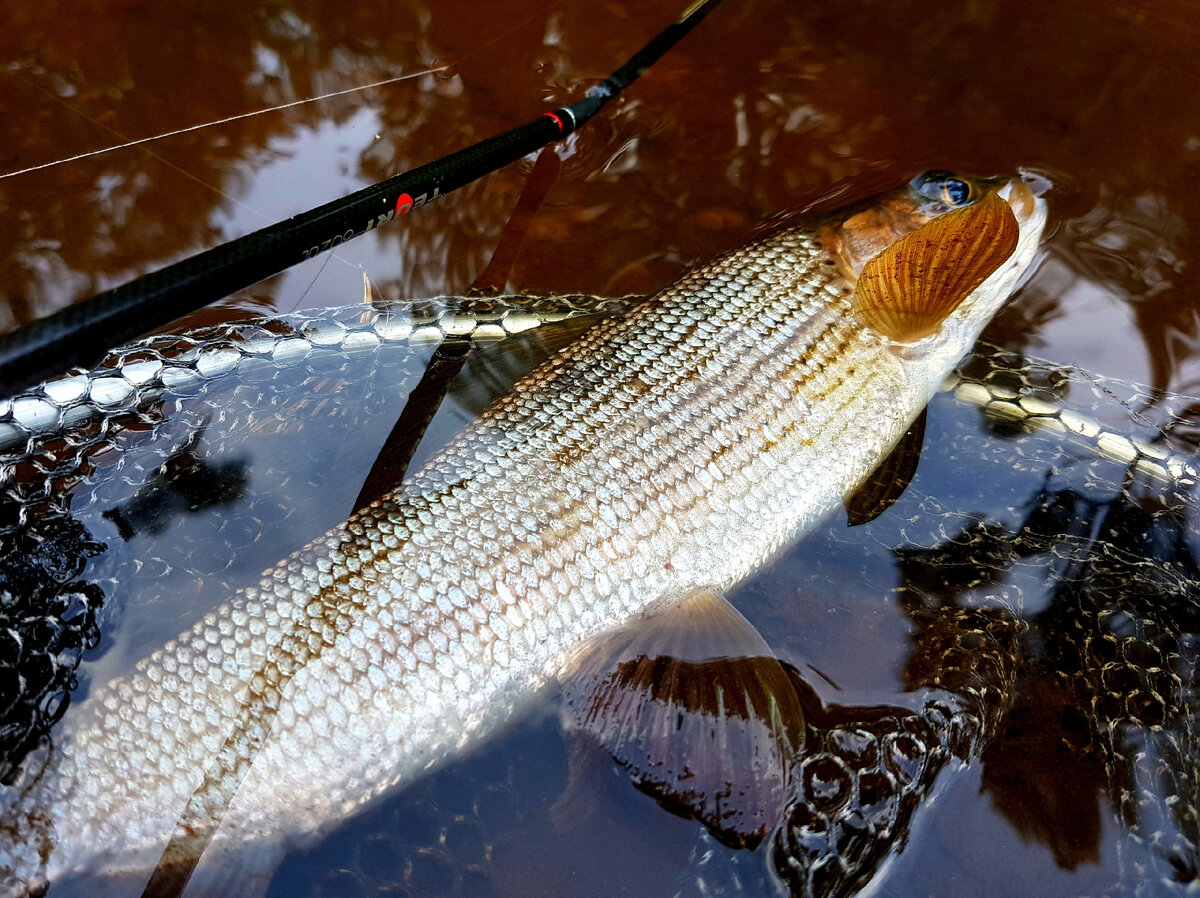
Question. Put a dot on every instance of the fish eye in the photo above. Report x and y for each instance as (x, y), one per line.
(943, 187)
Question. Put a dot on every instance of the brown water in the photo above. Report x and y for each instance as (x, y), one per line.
(767, 106)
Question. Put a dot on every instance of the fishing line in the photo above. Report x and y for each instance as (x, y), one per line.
(317, 276)
(141, 142)
(221, 121)
(133, 143)
(183, 171)
(245, 115)
(78, 334)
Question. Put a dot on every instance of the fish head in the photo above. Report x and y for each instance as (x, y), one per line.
(931, 263)
(857, 235)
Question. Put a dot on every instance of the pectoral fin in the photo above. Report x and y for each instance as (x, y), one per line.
(890, 479)
(909, 289)
(693, 704)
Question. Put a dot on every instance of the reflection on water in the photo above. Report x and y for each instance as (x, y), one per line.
(970, 646)
(790, 102)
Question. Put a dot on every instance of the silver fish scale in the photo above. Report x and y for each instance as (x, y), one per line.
(423, 621)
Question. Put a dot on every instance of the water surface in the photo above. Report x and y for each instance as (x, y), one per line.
(766, 107)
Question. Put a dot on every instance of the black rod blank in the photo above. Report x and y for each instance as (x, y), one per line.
(80, 333)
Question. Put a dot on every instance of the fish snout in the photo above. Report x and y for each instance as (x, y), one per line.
(1020, 198)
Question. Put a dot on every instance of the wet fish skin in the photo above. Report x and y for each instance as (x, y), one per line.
(680, 447)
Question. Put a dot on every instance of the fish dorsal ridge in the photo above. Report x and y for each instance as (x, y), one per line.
(910, 288)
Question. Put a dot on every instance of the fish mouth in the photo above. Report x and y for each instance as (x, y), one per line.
(1030, 209)
(1021, 199)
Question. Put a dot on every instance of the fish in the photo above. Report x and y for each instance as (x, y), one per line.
(666, 455)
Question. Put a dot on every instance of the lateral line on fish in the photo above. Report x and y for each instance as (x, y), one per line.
(802, 376)
(693, 361)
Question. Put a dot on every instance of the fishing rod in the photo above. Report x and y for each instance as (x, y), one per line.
(80, 333)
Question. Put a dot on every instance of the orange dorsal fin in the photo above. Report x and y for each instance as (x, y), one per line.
(909, 289)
